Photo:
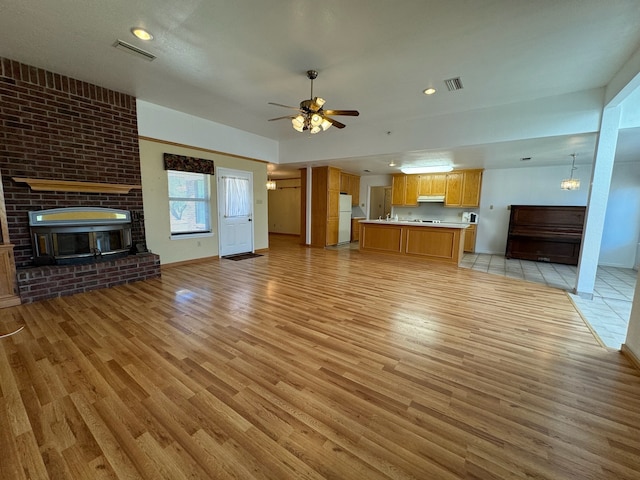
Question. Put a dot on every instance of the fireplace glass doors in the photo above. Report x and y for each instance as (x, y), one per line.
(73, 235)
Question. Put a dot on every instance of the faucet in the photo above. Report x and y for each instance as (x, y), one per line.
(387, 217)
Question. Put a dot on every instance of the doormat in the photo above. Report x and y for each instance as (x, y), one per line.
(242, 256)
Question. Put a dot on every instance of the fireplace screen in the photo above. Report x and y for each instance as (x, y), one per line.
(69, 235)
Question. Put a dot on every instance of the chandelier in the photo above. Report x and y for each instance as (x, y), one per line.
(571, 183)
(271, 184)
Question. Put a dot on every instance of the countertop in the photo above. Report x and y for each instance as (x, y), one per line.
(419, 224)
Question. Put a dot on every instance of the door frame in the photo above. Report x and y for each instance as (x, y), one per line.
(221, 172)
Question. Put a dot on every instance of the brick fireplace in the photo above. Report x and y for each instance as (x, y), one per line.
(58, 128)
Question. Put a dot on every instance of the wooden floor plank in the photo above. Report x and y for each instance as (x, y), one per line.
(317, 364)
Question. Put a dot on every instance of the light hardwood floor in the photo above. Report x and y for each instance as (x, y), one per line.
(314, 364)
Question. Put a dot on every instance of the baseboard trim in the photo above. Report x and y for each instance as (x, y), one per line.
(633, 358)
(188, 262)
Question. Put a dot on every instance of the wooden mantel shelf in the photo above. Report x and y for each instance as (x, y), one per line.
(41, 185)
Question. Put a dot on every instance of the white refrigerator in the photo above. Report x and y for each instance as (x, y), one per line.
(344, 225)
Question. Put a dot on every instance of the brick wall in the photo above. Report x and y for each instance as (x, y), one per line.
(56, 127)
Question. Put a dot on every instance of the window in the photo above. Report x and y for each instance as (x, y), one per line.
(236, 199)
(189, 203)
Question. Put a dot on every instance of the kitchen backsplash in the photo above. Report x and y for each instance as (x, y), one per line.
(431, 211)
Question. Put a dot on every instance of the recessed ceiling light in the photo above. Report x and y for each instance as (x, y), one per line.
(392, 164)
(429, 91)
(141, 33)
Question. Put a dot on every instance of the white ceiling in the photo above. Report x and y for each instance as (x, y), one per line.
(224, 60)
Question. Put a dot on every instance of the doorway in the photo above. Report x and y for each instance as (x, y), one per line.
(379, 202)
(235, 211)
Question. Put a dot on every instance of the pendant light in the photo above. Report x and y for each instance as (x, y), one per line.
(571, 183)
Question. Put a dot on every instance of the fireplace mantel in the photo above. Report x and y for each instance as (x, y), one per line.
(42, 185)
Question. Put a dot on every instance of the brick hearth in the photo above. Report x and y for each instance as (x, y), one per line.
(40, 283)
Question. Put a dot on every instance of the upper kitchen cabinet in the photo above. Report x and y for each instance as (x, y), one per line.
(350, 184)
(404, 190)
(433, 184)
(463, 188)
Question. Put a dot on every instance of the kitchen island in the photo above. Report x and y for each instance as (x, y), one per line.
(443, 242)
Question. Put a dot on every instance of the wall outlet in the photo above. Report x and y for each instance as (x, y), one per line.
(258, 202)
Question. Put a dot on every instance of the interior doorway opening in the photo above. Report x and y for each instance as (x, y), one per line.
(379, 202)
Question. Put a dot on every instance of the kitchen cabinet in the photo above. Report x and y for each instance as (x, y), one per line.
(355, 228)
(470, 239)
(433, 184)
(404, 190)
(325, 206)
(350, 184)
(463, 188)
(428, 242)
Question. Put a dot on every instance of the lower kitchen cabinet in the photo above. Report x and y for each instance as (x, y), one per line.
(470, 239)
(355, 228)
(443, 244)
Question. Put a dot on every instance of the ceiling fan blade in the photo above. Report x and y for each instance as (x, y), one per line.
(280, 118)
(281, 105)
(352, 113)
(334, 122)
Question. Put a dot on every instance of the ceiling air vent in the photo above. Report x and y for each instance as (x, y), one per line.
(133, 50)
(453, 84)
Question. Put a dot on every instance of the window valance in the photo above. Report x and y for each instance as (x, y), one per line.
(188, 164)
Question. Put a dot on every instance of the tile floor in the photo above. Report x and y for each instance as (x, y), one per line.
(608, 312)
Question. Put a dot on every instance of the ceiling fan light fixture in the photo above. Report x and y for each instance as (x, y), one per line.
(316, 120)
(298, 123)
(311, 115)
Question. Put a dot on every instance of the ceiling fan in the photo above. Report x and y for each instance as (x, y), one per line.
(311, 116)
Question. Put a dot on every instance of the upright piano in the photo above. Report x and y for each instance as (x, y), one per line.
(545, 233)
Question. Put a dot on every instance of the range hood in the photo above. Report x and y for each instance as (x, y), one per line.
(431, 198)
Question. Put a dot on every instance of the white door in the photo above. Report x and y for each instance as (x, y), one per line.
(235, 211)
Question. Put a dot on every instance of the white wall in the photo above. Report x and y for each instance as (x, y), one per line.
(431, 211)
(177, 132)
(622, 220)
(284, 207)
(163, 123)
(632, 342)
(521, 186)
(155, 193)
(541, 186)
(365, 186)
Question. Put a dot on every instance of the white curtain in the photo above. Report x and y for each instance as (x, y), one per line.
(236, 197)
